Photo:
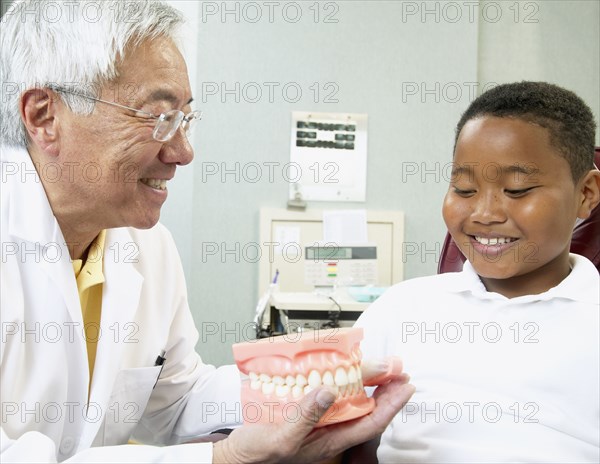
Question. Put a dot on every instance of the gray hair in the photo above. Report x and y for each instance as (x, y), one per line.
(72, 45)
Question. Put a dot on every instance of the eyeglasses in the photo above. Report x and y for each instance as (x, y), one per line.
(167, 123)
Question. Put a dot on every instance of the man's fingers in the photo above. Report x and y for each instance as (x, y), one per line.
(390, 399)
(380, 371)
(276, 442)
(314, 406)
(331, 440)
(373, 367)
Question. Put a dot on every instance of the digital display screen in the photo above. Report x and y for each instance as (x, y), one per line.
(332, 252)
(336, 252)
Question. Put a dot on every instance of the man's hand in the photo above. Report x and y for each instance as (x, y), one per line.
(300, 442)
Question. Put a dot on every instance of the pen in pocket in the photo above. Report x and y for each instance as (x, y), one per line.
(160, 359)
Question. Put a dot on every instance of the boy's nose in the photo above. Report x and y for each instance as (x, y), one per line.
(488, 209)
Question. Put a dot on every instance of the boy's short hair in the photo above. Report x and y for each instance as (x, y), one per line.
(568, 119)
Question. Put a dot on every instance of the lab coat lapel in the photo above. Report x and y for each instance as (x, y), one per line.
(120, 300)
(35, 229)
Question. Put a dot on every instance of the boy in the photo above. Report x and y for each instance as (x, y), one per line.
(504, 354)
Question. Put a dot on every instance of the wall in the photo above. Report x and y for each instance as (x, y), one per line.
(4, 6)
(412, 66)
(553, 41)
(382, 64)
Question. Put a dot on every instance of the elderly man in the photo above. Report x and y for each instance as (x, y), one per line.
(97, 337)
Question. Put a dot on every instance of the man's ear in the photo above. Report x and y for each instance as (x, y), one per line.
(589, 187)
(39, 115)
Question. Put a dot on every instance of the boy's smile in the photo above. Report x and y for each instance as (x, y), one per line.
(512, 205)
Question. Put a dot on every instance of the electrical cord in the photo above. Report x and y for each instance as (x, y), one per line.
(334, 316)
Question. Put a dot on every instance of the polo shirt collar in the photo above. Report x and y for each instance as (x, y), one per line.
(90, 273)
(582, 284)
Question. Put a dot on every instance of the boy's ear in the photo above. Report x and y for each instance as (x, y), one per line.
(590, 193)
(40, 117)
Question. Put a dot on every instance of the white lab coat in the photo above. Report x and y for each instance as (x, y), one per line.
(46, 416)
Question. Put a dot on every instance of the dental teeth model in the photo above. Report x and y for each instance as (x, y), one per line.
(283, 369)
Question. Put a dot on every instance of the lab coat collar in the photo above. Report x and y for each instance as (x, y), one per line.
(30, 215)
(33, 228)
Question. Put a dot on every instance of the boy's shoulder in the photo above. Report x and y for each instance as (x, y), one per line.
(424, 293)
(435, 284)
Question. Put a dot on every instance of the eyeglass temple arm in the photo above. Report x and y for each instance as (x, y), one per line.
(82, 95)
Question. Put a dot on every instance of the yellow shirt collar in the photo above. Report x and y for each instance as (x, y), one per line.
(90, 273)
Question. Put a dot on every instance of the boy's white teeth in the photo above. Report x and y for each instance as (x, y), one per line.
(341, 380)
(494, 241)
(160, 184)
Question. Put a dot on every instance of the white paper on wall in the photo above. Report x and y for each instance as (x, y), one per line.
(285, 235)
(345, 226)
(328, 156)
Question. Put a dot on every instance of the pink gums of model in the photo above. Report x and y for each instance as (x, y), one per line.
(283, 369)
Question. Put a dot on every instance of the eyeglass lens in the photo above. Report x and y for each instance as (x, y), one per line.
(167, 125)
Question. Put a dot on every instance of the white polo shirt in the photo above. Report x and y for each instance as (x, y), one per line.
(498, 379)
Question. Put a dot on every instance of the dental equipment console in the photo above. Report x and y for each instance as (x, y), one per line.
(332, 270)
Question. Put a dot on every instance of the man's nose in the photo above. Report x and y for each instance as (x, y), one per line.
(178, 150)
